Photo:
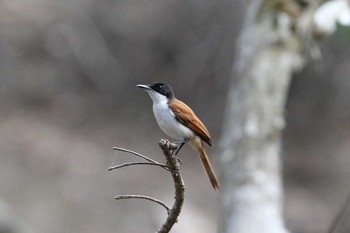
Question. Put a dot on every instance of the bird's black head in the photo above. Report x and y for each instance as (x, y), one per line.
(163, 89)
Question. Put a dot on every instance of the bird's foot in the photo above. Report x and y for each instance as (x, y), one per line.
(181, 144)
(179, 161)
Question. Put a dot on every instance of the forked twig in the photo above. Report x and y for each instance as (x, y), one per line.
(173, 166)
(150, 161)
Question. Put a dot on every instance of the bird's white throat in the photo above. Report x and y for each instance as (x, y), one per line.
(156, 97)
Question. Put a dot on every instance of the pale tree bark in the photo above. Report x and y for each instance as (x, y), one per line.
(274, 42)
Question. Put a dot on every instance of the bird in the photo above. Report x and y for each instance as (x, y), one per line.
(179, 122)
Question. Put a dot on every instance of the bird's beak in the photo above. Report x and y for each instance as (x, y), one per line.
(146, 87)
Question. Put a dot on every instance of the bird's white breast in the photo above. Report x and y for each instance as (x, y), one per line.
(166, 120)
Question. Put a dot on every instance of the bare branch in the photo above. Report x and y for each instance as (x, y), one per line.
(138, 163)
(134, 153)
(174, 168)
(120, 197)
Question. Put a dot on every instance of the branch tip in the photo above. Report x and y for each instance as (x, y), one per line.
(173, 166)
(167, 147)
(120, 197)
(137, 163)
(134, 153)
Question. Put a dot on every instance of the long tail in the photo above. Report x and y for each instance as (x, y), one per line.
(198, 145)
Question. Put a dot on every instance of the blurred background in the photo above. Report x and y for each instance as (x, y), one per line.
(68, 70)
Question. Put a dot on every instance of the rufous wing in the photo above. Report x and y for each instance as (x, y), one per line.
(186, 116)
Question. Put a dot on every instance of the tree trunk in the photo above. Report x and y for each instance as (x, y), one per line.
(271, 46)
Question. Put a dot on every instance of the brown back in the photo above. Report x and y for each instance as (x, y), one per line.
(186, 116)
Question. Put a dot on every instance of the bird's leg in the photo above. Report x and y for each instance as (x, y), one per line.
(182, 143)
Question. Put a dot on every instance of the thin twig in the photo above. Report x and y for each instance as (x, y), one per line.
(174, 168)
(119, 197)
(138, 163)
(135, 153)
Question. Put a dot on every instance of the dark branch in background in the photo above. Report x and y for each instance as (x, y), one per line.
(341, 222)
(173, 166)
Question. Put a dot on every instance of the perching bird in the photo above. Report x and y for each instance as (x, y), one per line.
(178, 121)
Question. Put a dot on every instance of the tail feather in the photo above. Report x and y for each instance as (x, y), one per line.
(206, 164)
